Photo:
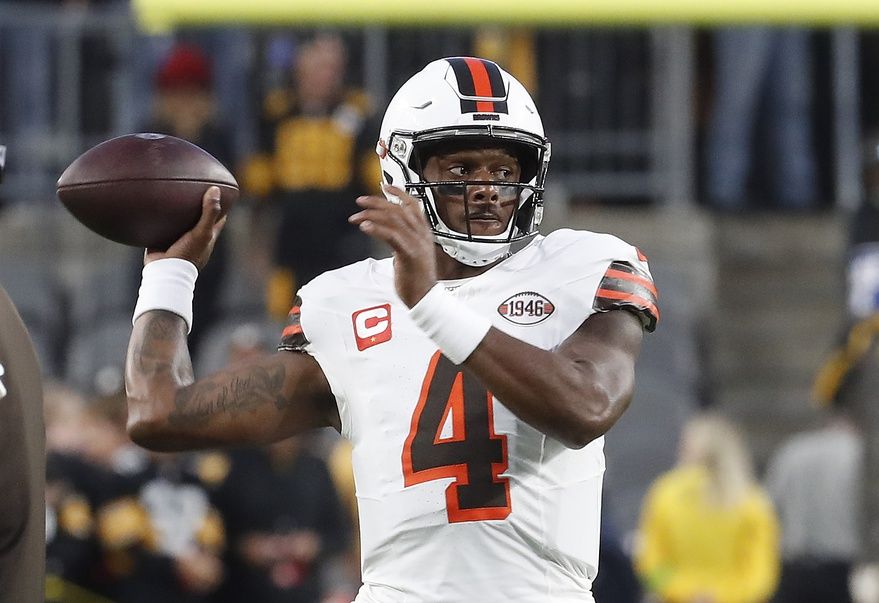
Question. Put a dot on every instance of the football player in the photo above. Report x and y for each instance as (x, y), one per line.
(22, 459)
(475, 372)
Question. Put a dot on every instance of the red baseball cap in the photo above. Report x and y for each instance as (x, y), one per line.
(185, 66)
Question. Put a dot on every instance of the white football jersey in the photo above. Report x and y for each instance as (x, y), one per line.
(459, 500)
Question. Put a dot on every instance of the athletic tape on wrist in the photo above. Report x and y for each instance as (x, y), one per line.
(452, 326)
(167, 284)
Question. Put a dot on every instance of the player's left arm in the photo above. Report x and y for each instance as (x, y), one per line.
(574, 393)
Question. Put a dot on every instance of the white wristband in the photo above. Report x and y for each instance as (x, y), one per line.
(167, 284)
(452, 326)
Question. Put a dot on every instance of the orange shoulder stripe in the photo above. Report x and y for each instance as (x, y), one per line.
(291, 330)
(636, 300)
(635, 278)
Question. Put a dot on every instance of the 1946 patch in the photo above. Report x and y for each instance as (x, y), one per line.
(526, 308)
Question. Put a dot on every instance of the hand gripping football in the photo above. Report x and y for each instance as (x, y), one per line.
(143, 190)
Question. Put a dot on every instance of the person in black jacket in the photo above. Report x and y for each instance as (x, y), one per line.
(316, 154)
(284, 520)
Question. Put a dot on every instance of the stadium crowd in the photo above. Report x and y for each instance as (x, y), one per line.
(124, 524)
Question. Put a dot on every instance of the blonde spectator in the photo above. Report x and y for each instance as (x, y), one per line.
(64, 410)
(708, 532)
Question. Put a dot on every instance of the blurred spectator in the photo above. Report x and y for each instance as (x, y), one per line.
(863, 256)
(346, 578)
(165, 543)
(815, 482)
(230, 343)
(616, 580)
(861, 315)
(185, 107)
(709, 533)
(162, 545)
(161, 539)
(284, 521)
(74, 488)
(514, 48)
(63, 411)
(105, 442)
(71, 546)
(129, 526)
(761, 70)
(849, 378)
(246, 342)
(316, 156)
(231, 51)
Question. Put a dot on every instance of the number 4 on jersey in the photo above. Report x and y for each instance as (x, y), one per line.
(470, 452)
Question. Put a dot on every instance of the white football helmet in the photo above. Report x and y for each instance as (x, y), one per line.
(459, 98)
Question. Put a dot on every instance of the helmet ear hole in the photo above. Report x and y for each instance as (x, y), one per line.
(527, 163)
(421, 152)
(387, 177)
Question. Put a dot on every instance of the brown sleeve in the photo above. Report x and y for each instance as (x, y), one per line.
(22, 463)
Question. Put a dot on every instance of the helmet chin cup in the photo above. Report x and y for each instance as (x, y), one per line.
(472, 253)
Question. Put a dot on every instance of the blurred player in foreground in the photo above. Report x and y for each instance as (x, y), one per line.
(22, 459)
(475, 382)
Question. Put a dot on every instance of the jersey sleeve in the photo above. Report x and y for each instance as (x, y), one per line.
(628, 285)
(315, 326)
(293, 338)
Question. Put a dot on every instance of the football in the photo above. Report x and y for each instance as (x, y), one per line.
(143, 190)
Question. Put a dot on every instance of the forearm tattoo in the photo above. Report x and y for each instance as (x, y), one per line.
(156, 351)
(160, 352)
(230, 394)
